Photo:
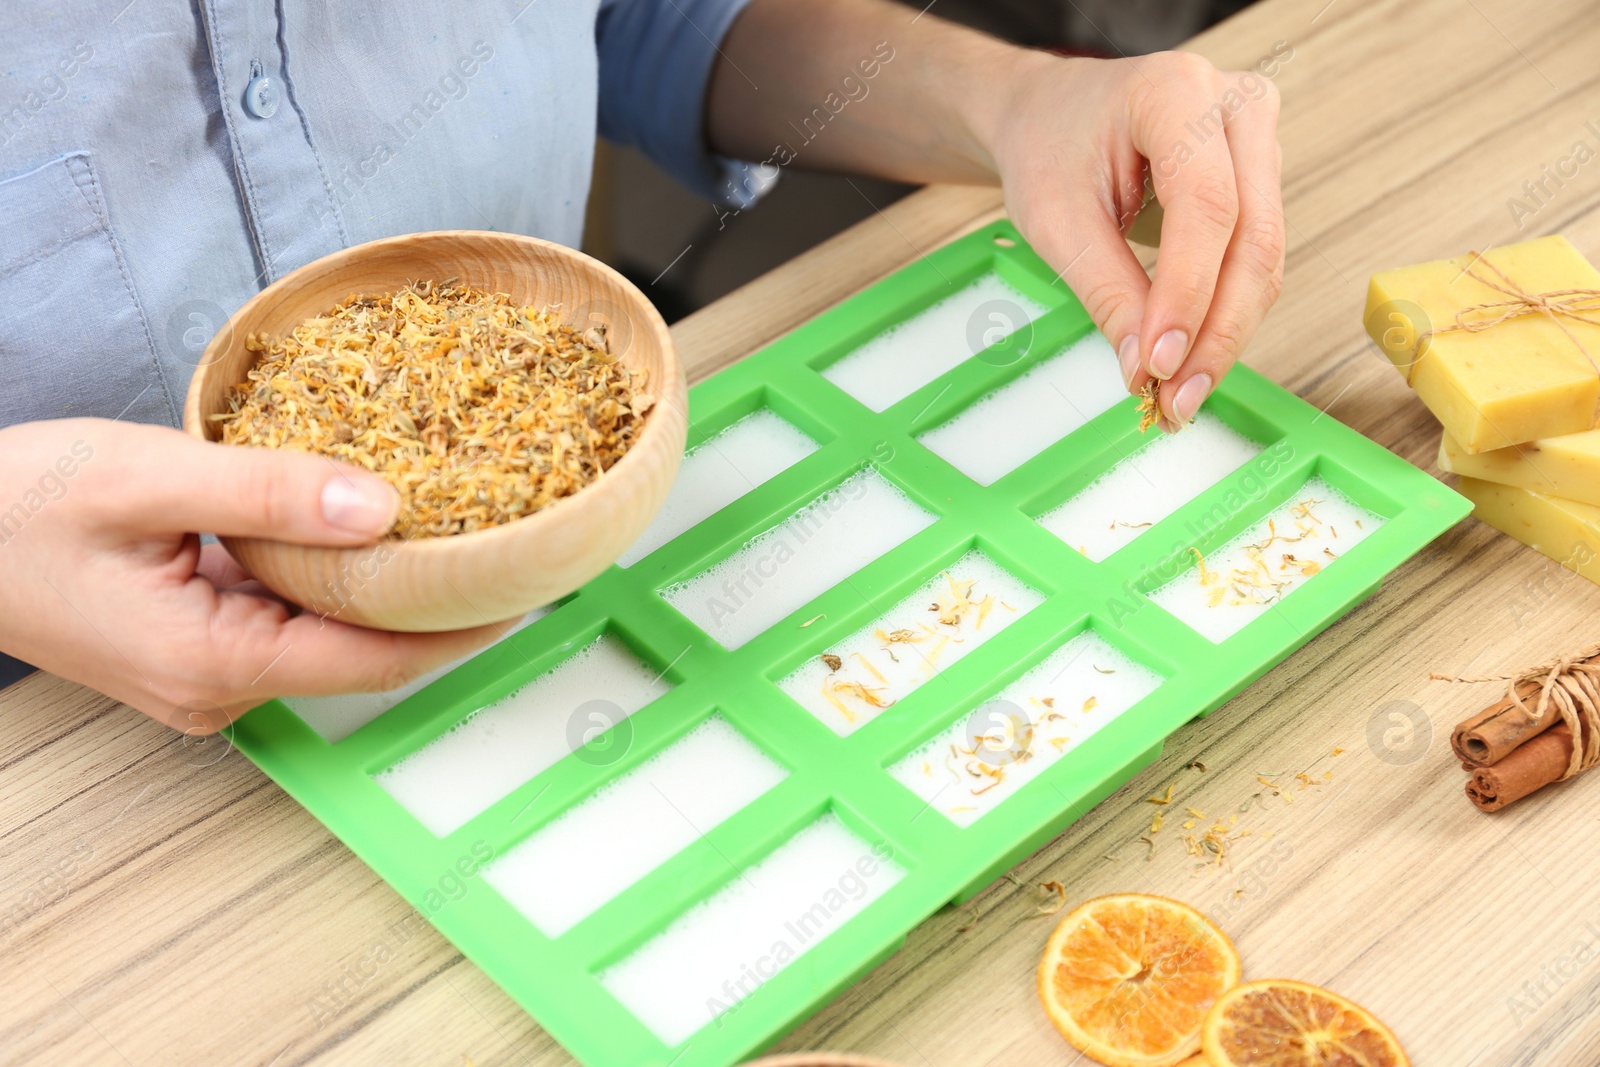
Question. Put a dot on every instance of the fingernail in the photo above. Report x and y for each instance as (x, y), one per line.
(1190, 396)
(1128, 356)
(1167, 356)
(364, 505)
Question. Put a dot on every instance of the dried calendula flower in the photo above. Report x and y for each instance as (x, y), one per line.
(952, 611)
(1149, 404)
(867, 694)
(478, 410)
(1056, 897)
(832, 661)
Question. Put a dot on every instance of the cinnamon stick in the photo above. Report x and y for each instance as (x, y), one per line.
(1493, 733)
(1531, 766)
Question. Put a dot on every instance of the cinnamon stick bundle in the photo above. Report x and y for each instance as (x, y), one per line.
(1528, 768)
(1545, 729)
(1490, 735)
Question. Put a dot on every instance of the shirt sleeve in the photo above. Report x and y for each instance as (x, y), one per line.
(655, 66)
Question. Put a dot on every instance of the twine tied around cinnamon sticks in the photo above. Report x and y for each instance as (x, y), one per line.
(1583, 305)
(1545, 729)
(1568, 687)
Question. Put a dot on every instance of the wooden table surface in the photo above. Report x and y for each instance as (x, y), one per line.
(161, 903)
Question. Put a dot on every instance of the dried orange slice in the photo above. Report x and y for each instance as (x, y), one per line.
(1128, 978)
(1280, 1023)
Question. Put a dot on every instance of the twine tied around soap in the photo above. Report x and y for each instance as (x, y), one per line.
(1571, 684)
(1580, 304)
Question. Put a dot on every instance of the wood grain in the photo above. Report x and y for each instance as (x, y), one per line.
(206, 918)
(449, 583)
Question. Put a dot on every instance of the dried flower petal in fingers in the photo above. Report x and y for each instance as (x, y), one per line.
(1149, 408)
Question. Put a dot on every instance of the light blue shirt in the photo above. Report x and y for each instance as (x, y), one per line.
(161, 161)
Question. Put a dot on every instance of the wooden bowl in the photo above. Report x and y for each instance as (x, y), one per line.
(453, 582)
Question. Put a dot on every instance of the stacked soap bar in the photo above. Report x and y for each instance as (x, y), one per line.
(1567, 466)
(1492, 383)
(1565, 530)
(1504, 349)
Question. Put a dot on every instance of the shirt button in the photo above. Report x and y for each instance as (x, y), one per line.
(261, 97)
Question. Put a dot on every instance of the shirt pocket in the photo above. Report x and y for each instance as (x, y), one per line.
(73, 338)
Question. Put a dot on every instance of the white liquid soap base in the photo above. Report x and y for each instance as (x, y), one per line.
(904, 358)
(1252, 573)
(568, 868)
(497, 748)
(890, 657)
(802, 557)
(1144, 488)
(981, 760)
(726, 947)
(1016, 422)
(753, 450)
(337, 717)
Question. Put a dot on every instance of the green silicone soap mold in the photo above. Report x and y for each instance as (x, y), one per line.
(557, 979)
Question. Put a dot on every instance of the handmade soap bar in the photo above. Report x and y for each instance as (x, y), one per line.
(1495, 383)
(1567, 466)
(1565, 530)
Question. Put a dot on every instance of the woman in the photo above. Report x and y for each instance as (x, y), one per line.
(161, 162)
